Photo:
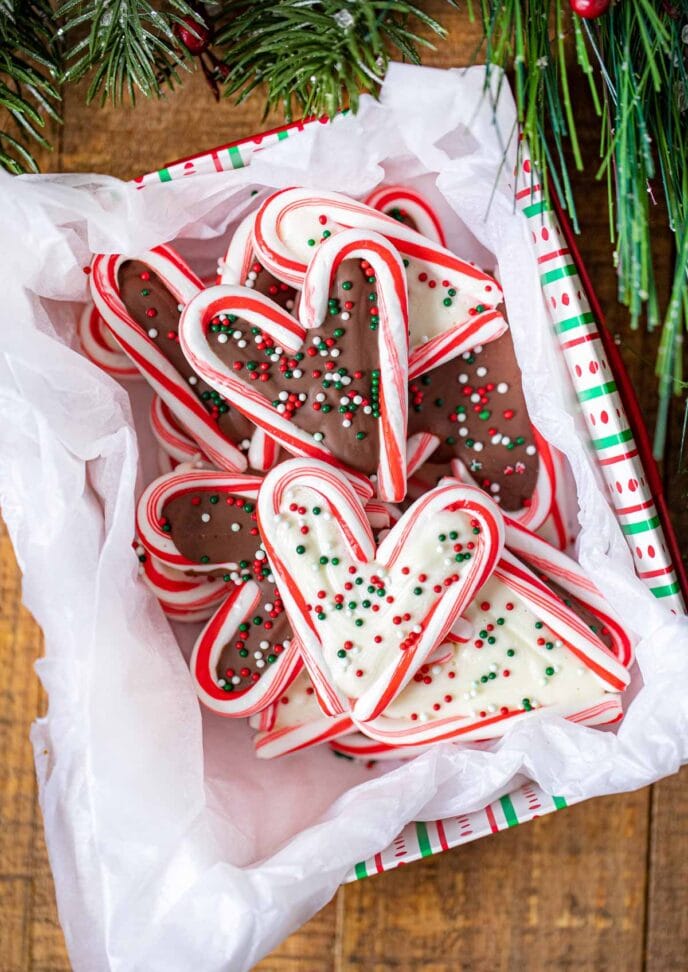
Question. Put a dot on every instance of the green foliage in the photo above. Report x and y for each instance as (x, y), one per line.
(123, 45)
(317, 56)
(29, 67)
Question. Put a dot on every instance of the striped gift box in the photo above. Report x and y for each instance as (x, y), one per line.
(619, 444)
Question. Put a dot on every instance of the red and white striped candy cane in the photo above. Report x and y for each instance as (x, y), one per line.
(357, 745)
(149, 511)
(408, 202)
(568, 574)
(101, 348)
(296, 722)
(291, 222)
(319, 541)
(521, 629)
(147, 356)
(182, 597)
(392, 338)
(170, 435)
(267, 679)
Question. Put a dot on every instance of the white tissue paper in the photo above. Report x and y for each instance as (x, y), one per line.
(172, 846)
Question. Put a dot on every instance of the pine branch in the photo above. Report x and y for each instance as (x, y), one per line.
(130, 45)
(29, 65)
(317, 56)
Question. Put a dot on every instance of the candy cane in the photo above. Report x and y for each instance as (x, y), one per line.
(296, 723)
(170, 435)
(149, 359)
(99, 346)
(318, 541)
(290, 223)
(392, 338)
(182, 597)
(149, 511)
(408, 202)
(267, 674)
(568, 574)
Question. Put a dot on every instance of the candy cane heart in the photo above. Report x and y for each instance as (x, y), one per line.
(566, 574)
(329, 386)
(368, 617)
(453, 305)
(100, 347)
(296, 722)
(151, 289)
(202, 521)
(410, 207)
(238, 665)
(529, 651)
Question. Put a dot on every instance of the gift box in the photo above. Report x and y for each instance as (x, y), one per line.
(150, 811)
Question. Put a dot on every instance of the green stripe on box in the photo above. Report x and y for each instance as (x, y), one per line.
(235, 157)
(361, 871)
(509, 811)
(612, 440)
(559, 803)
(667, 590)
(282, 135)
(642, 527)
(568, 271)
(423, 839)
(164, 175)
(568, 325)
(535, 208)
(606, 389)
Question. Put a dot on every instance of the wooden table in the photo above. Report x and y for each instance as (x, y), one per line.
(599, 886)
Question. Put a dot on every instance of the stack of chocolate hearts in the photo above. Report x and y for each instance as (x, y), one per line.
(402, 580)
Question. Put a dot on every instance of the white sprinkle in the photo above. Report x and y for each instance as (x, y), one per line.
(245, 443)
(253, 275)
(335, 352)
(249, 284)
(423, 717)
(241, 343)
(205, 517)
(235, 680)
(257, 654)
(345, 400)
(358, 399)
(290, 305)
(153, 332)
(481, 371)
(463, 431)
(495, 488)
(260, 555)
(297, 373)
(281, 409)
(530, 450)
(477, 349)
(505, 440)
(367, 409)
(302, 396)
(222, 338)
(496, 439)
(436, 669)
(283, 396)
(502, 388)
(260, 663)
(235, 527)
(478, 446)
(463, 379)
(236, 335)
(193, 380)
(318, 436)
(475, 397)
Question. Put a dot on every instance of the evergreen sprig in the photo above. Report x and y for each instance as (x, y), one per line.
(320, 55)
(124, 46)
(29, 67)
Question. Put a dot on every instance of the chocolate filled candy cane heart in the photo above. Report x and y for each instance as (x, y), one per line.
(453, 305)
(528, 651)
(205, 522)
(474, 409)
(332, 385)
(368, 617)
(140, 301)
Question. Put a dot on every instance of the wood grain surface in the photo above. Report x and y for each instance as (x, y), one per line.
(598, 887)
